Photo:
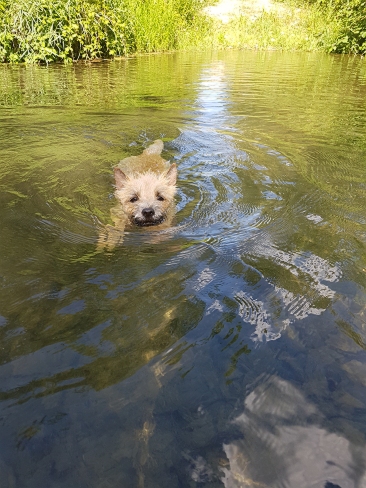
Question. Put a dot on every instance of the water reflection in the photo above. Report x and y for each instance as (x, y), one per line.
(289, 435)
(231, 353)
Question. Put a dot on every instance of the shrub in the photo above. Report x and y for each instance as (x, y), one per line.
(351, 17)
(348, 24)
(65, 30)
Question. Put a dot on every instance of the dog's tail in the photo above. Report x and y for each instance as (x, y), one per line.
(155, 148)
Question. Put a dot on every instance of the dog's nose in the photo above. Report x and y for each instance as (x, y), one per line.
(148, 212)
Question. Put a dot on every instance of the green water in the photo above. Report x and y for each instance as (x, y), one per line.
(226, 352)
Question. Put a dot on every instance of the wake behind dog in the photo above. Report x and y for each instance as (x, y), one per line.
(145, 189)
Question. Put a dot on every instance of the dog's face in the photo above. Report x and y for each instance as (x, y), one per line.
(146, 197)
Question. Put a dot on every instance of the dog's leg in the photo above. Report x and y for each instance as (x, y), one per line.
(109, 238)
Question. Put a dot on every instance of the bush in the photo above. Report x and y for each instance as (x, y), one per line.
(65, 30)
(351, 17)
(348, 21)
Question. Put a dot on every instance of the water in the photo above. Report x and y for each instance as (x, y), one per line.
(226, 352)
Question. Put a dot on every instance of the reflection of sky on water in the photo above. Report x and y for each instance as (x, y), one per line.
(280, 448)
(213, 102)
(212, 96)
(286, 439)
(241, 237)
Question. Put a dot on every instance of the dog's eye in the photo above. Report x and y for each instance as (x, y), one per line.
(160, 198)
(134, 199)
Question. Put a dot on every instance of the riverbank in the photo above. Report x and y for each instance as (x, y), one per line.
(59, 30)
(41, 31)
(307, 25)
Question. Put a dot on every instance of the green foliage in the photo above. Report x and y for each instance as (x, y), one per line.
(333, 26)
(65, 30)
(347, 19)
(284, 27)
(43, 31)
(351, 19)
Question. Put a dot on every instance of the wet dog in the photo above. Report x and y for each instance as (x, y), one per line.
(145, 189)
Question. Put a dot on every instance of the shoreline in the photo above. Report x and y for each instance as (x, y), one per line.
(127, 29)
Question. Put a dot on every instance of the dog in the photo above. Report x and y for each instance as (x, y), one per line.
(145, 190)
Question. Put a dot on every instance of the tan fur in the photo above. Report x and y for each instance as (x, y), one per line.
(145, 189)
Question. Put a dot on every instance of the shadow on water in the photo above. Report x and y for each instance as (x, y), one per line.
(226, 351)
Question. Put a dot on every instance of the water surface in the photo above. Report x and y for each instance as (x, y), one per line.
(226, 352)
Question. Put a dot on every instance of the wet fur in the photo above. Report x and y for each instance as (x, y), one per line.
(145, 189)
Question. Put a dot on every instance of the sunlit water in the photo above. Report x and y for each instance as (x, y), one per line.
(226, 352)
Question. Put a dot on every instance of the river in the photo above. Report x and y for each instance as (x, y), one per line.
(227, 351)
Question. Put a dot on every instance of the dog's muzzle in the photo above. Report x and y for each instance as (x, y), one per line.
(148, 218)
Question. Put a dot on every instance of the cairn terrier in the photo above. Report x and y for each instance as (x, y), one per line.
(145, 189)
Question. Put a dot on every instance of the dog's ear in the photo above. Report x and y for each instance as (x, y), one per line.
(120, 177)
(171, 174)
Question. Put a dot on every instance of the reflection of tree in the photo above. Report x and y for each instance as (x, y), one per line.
(114, 85)
(52, 294)
(115, 311)
(139, 324)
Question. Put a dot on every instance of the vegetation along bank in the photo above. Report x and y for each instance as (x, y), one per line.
(67, 30)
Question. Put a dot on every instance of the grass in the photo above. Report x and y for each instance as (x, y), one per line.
(286, 27)
(338, 26)
(269, 30)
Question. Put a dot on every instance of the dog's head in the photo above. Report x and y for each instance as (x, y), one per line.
(146, 197)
